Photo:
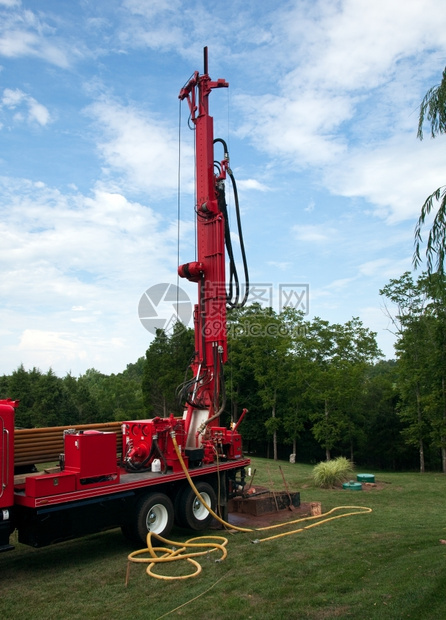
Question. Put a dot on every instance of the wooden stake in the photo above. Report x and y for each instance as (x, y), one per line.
(291, 507)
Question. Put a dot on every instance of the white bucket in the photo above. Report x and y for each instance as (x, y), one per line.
(156, 465)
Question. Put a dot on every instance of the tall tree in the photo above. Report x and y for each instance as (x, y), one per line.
(270, 356)
(298, 372)
(421, 350)
(240, 381)
(260, 345)
(433, 109)
(435, 287)
(384, 445)
(342, 355)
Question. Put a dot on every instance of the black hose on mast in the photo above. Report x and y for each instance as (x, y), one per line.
(233, 293)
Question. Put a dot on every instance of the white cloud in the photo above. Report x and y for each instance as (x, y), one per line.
(310, 206)
(314, 233)
(21, 43)
(39, 341)
(383, 268)
(74, 250)
(24, 33)
(73, 270)
(359, 44)
(349, 104)
(252, 184)
(340, 284)
(395, 176)
(153, 8)
(55, 349)
(142, 148)
(296, 129)
(12, 98)
(36, 112)
(282, 266)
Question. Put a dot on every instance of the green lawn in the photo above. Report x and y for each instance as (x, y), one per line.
(387, 564)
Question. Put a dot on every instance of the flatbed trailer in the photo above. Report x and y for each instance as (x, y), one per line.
(91, 490)
(155, 499)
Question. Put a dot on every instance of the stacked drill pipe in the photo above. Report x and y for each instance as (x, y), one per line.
(44, 445)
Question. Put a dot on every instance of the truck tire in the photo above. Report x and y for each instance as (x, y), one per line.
(154, 513)
(190, 511)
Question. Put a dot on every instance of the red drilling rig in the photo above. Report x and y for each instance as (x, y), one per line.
(133, 474)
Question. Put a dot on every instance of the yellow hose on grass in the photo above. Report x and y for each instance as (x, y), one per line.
(175, 555)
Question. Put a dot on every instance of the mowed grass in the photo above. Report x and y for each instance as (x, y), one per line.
(386, 564)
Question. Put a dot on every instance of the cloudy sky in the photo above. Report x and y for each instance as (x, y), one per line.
(96, 159)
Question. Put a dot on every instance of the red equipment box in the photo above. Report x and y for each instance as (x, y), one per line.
(50, 484)
(91, 456)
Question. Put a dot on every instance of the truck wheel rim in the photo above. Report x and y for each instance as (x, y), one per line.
(200, 512)
(157, 518)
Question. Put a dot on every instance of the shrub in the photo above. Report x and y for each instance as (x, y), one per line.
(329, 474)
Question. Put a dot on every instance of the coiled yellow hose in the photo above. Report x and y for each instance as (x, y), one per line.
(173, 555)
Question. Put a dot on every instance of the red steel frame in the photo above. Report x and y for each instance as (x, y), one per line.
(127, 482)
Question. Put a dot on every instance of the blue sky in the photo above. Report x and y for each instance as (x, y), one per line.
(320, 117)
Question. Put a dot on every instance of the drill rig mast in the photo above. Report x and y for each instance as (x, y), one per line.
(205, 394)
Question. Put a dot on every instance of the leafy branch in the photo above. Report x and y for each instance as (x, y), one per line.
(433, 110)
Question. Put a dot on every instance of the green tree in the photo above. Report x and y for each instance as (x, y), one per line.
(258, 349)
(420, 324)
(113, 397)
(434, 286)
(99, 386)
(433, 109)
(167, 363)
(242, 390)
(87, 408)
(53, 404)
(21, 385)
(269, 358)
(409, 302)
(384, 445)
(342, 355)
(299, 370)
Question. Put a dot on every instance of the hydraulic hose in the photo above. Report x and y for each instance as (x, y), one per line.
(362, 509)
(233, 296)
(170, 556)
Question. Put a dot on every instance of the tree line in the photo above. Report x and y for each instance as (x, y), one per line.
(312, 388)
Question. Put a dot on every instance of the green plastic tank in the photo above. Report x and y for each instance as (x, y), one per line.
(365, 478)
(352, 486)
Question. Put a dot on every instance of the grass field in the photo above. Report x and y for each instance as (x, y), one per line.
(386, 564)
